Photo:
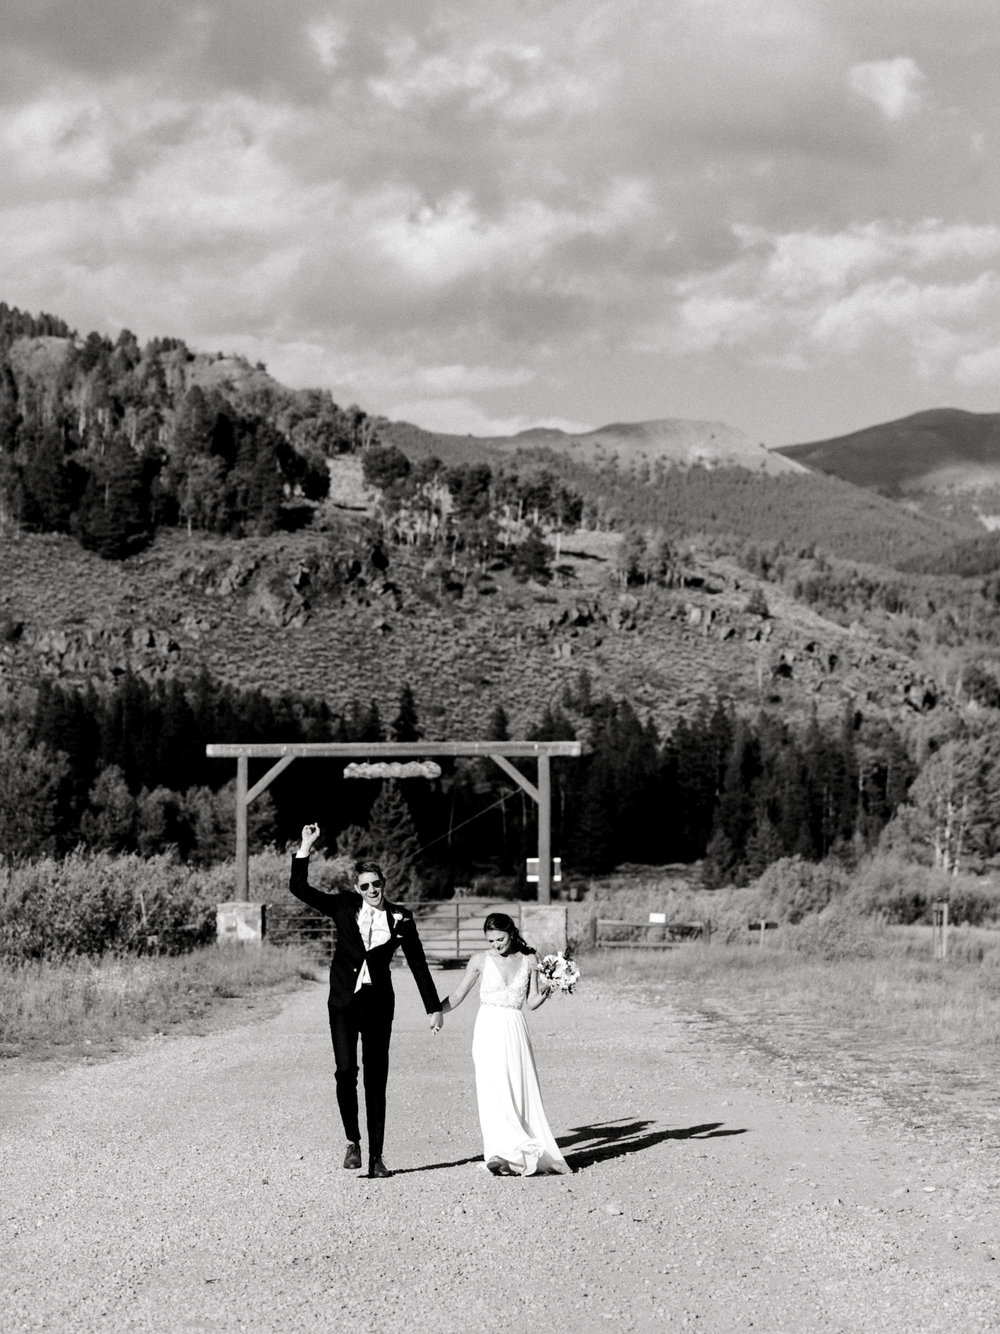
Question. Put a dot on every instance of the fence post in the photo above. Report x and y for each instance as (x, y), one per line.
(939, 928)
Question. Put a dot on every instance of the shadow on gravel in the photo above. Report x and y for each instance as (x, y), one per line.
(437, 1167)
(615, 1139)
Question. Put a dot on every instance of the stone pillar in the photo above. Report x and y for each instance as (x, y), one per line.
(543, 925)
(240, 923)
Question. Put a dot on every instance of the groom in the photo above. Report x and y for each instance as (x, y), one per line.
(361, 1004)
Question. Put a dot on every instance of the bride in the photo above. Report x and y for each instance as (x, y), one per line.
(516, 1135)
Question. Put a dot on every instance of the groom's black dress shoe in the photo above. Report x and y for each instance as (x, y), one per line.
(377, 1168)
(352, 1158)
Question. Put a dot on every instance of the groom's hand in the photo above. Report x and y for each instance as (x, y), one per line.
(437, 1019)
(310, 833)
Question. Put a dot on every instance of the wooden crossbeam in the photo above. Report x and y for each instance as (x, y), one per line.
(500, 751)
(256, 750)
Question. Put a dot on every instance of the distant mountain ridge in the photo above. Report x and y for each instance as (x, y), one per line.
(698, 478)
(678, 442)
(945, 460)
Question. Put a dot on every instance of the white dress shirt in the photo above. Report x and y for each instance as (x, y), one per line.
(373, 923)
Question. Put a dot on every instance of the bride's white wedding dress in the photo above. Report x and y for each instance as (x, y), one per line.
(510, 1102)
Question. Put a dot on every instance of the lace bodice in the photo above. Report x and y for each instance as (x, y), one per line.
(495, 990)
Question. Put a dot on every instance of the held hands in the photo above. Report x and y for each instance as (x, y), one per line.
(437, 1020)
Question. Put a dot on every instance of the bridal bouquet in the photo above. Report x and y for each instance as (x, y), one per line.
(562, 974)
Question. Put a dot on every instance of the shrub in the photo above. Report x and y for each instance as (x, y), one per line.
(894, 889)
(972, 902)
(903, 892)
(91, 903)
(792, 888)
(269, 870)
(835, 934)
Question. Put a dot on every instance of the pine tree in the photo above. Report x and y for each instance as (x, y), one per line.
(736, 812)
(10, 426)
(532, 559)
(405, 726)
(114, 518)
(373, 729)
(392, 837)
(498, 727)
(109, 821)
(49, 482)
(159, 823)
(30, 781)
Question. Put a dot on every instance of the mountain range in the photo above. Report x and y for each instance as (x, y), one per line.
(946, 460)
(785, 588)
(676, 442)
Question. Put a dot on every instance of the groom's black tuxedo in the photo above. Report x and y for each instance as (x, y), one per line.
(349, 953)
(366, 1013)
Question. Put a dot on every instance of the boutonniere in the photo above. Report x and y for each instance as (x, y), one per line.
(397, 918)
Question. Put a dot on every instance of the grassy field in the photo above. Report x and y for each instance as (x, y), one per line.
(92, 1007)
(890, 990)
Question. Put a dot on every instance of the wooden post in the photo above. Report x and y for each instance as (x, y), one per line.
(939, 928)
(242, 846)
(544, 830)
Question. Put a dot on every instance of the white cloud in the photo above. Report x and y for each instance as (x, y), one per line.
(327, 36)
(57, 139)
(516, 80)
(907, 310)
(927, 294)
(508, 207)
(441, 243)
(469, 379)
(979, 368)
(895, 86)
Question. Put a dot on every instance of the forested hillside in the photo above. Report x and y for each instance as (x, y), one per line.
(191, 553)
(110, 441)
(801, 509)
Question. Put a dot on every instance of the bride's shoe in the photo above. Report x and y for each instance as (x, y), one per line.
(497, 1166)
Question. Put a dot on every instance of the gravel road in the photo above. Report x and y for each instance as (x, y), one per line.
(195, 1185)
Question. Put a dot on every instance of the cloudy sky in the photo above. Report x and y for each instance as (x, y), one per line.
(482, 215)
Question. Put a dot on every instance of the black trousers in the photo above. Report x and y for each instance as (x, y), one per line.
(368, 1016)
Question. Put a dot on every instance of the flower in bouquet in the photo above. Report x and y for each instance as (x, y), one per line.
(561, 973)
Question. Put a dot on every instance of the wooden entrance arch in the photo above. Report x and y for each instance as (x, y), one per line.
(502, 752)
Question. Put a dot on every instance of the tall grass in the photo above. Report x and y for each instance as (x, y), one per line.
(884, 889)
(93, 1004)
(882, 982)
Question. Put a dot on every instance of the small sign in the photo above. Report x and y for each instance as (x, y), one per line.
(658, 919)
(532, 871)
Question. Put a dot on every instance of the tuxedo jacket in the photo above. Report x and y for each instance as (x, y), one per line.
(349, 953)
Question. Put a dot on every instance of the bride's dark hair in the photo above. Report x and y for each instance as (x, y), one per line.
(499, 921)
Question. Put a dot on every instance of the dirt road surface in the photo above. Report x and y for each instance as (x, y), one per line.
(195, 1185)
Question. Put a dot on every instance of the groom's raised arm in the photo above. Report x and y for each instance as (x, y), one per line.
(298, 882)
